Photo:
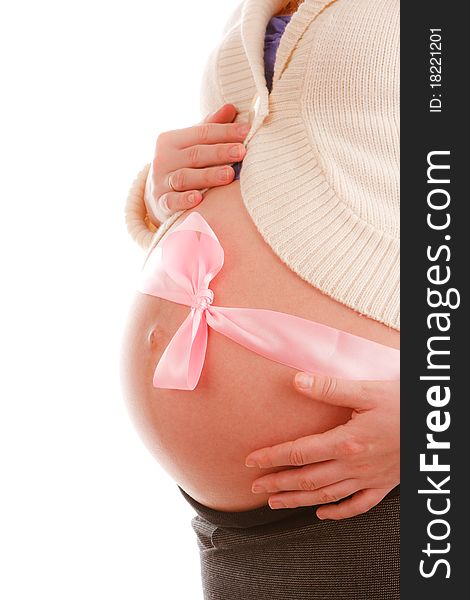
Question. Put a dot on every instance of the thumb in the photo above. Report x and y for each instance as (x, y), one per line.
(359, 395)
(225, 114)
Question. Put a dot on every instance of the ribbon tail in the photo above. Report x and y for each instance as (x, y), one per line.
(181, 363)
(305, 345)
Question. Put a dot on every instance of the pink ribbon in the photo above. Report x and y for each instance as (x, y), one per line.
(181, 270)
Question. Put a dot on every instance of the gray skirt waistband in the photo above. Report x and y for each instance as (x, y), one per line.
(259, 516)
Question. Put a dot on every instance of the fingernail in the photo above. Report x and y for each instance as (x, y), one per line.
(244, 129)
(223, 174)
(192, 198)
(276, 504)
(303, 380)
(235, 152)
(257, 487)
(250, 463)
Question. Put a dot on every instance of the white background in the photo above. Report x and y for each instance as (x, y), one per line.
(85, 512)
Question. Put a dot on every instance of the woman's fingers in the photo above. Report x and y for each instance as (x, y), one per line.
(354, 394)
(334, 443)
(196, 158)
(204, 166)
(203, 155)
(186, 183)
(361, 502)
(330, 493)
(203, 133)
(225, 114)
(174, 201)
(307, 479)
(192, 179)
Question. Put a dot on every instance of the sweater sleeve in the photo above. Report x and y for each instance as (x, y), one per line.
(138, 224)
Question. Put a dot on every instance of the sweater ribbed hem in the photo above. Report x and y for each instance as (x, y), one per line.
(326, 244)
(284, 186)
(292, 204)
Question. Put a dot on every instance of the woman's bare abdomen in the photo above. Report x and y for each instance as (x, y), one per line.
(242, 401)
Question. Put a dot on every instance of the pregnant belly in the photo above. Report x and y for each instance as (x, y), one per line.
(243, 401)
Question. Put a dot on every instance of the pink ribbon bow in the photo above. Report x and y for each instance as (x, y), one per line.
(181, 270)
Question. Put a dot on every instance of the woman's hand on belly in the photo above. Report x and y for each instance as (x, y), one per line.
(187, 160)
(243, 401)
(361, 457)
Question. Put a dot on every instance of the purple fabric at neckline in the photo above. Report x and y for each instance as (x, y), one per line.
(272, 39)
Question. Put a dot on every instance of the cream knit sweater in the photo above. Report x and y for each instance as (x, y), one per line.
(320, 178)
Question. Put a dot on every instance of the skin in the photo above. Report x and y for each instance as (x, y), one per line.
(243, 402)
(193, 158)
(359, 458)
